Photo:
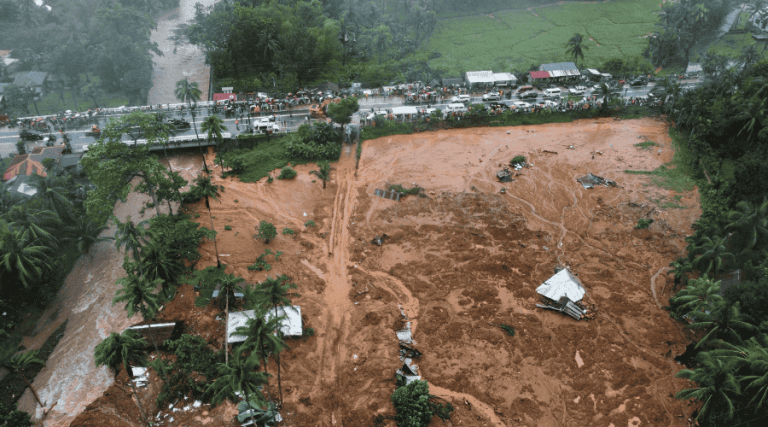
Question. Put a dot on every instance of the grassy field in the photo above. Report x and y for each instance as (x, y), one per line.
(517, 39)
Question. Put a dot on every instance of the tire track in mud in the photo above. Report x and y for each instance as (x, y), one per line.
(338, 304)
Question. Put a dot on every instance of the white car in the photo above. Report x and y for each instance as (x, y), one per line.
(520, 105)
(578, 90)
(549, 104)
(460, 98)
(492, 96)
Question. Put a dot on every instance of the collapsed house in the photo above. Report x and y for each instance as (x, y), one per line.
(158, 333)
(561, 293)
(589, 181)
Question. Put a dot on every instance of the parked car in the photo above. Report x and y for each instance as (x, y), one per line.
(27, 135)
(492, 96)
(460, 98)
(638, 82)
(528, 95)
(524, 89)
(520, 105)
(548, 104)
(578, 90)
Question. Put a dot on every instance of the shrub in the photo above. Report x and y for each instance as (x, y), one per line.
(194, 359)
(517, 160)
(508, 329)
(269, 180)
(309, 223)
(287, 173)
(261, 263)
(308, 332)
(412, 405)
(400, 189)
(267, 231)
(643, 223)
(228, 227)
(288, 232)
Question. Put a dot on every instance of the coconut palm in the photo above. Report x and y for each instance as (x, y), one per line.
(276, 292)
(751, 224)
(229, 285)
(21, 254)
(21, 362)
(131, 236)
(681, 267)
(85, 232)
(189, 93)
(700, 295)
(753, 113)
(260, 335)
(575, 47)
(209, 190)
(214, 125)
(42, 224)
(756, 355)
(717, 384)
(138, 294)
(713, 255)
(324, 173)
(123, 349)
(157, 262)
(723, 321)
(51, 194)
(241, 376)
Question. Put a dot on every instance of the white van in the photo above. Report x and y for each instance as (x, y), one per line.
(455, 108)
(552, 92)
(460, 98)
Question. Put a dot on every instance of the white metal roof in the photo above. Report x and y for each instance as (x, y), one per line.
(504, 77)
(693, 68)
(562, 284)
(480, 77)
(404, 110)
(593, 71)
(290, 326)
(564, 73)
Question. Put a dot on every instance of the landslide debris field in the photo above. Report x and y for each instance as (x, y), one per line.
(459, 262)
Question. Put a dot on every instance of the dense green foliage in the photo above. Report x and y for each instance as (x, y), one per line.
(252, 164)
(320, 141)
(192, 371)
(267, 230)
(95, 48)
(10, 416)
(415, 406)
(722, 126)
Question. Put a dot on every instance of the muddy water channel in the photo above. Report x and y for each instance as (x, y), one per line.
(177, 62)
(70, 381)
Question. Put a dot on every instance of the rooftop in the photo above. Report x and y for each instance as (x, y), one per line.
(290, 326)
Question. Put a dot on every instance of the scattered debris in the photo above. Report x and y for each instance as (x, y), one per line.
(140, 377)
(564, 305)
(589, 181)
(549, 151)
(505, 175)
(379, 240)
(408, 372)
(392, 195)
(404, 334)
(407, 351)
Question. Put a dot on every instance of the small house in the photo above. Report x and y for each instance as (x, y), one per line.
(561, 293)
(290, 326)
(476, 79)
(37, 80)
(32, 164)
(22, 184)
(504, 79)
(158, 333)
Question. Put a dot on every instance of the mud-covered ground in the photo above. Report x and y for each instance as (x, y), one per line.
(460, 262)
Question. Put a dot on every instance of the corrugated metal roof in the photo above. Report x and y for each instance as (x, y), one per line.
(564, 73)
(480, 77)
(31, 78)
(404, 110)
(504, 77)
(693, 68)
(540, 75)
(291, 326)
(555, 66)
(562, 284)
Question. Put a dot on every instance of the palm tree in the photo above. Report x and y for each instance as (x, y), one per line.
(749, 56)
(21, 254)
(131, 236)
(324, 173)
(713, 254)
(575, 47)
(42, 224)
(85, 232)
(752, 356)
(725, 321)
(750, 223)
(157, 262)
(52, 196)
(717, 384)
(276, 292)
(209, 190)
(605, 91)
(681, 267)
(260, 335)
(213, 125)
(700, 295)
(21, 362)
(138, 294)
(229, 284)
(754, 114)
(242, 376)
(123, 349)
(189, 93)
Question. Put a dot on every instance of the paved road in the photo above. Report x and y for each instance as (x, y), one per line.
(293, 119)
